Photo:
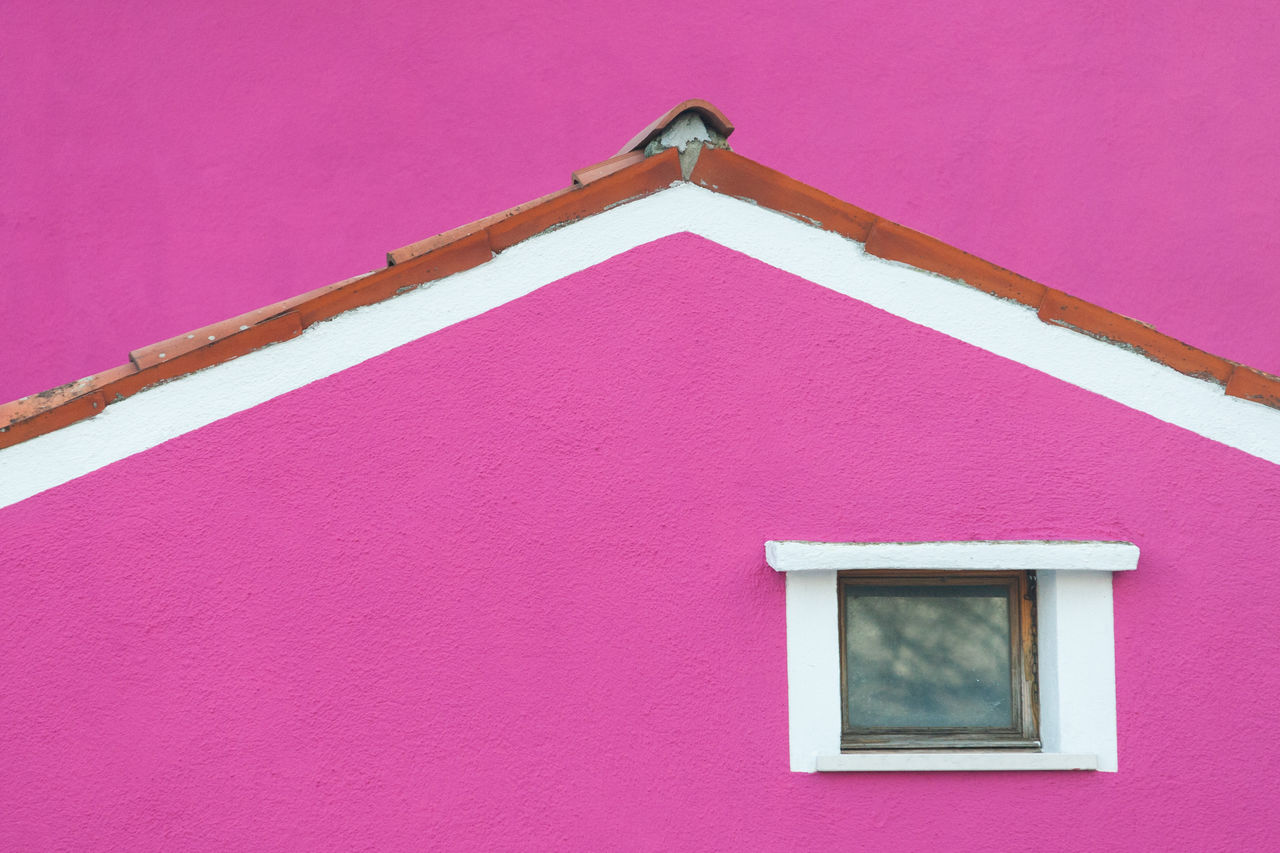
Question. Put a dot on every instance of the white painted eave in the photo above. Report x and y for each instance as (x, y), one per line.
(1004, 328)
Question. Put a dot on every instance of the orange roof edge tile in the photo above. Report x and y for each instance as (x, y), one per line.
(607, 167)
(621, 178)
(26, 408)
(51, 410)
(1251, 384)
(1062, 309)
(895, 242)
(413, 250)
(638, 179)
(732, 174)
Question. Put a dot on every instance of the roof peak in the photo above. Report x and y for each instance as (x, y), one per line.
(679, 126)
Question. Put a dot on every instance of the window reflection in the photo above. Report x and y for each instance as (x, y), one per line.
(928, 656)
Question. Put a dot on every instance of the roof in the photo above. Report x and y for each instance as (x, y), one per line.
(650, 163)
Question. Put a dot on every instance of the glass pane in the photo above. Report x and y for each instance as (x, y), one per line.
(928, 656)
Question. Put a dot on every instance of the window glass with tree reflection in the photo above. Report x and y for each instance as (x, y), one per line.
(943, 660)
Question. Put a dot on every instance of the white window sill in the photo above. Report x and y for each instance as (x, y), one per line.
(930, 761)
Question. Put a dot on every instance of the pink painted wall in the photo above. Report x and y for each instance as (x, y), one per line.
(165, 166)
(504, 588)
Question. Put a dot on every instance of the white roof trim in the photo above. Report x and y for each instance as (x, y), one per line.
(1004, 328)
(1040, 556)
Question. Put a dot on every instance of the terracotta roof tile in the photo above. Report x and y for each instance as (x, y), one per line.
(52, 418)
(895, 242)
(460, 254)
(1251, 384)
(648, 176)
(607, 167)
(180, 345)
(169, 349)
(732, 174)
(596, 188)
(612, 182)
(28, 407)
(582, 177)
(51, 410)
(712, 116)
(278, 328)
(430, 244)
(1062, 309)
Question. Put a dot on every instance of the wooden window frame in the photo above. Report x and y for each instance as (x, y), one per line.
(1023, 734)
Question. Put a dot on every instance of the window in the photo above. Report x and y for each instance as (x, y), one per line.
(937, 661)
(1060, 658)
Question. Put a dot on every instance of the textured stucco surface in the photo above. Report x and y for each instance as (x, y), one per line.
(164, 167)
(504, 587)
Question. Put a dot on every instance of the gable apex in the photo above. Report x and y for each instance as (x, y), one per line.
(714, 124)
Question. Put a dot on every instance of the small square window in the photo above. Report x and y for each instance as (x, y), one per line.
(942, 661)
(1062, 697)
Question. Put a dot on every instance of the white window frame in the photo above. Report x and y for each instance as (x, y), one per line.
(1076, 648)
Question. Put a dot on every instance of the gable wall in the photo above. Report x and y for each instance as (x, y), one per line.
(507, 582)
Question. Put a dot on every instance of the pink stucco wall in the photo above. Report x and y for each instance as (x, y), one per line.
(164, 166)
(504, 588)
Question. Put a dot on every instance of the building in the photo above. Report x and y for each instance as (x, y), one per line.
(472, 550)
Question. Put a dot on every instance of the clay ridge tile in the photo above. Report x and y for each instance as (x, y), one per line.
(444, 238)
(57, 407)
(732, 174)
(1062, 309)
(30, 406)
(711, 115)
(461, 254)
(23, 420)
(640, 179)
(607, 167)
(170, 348)
(1251, 384)
(229, 339)
(281, 327)
(48, 419)
(895, 242)
(617, 180)
(728, 173)
(121, 380)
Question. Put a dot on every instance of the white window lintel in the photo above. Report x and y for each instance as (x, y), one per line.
(1021, 555)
